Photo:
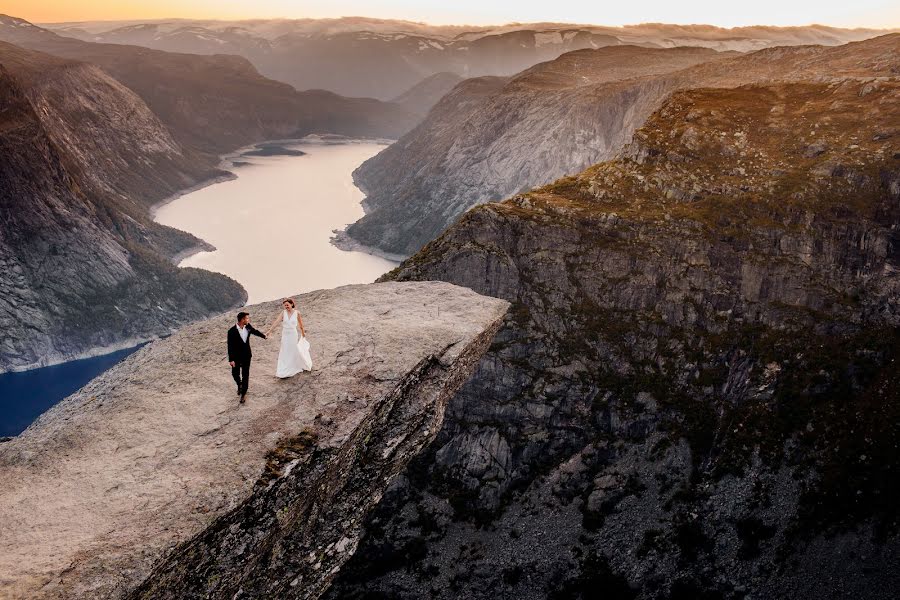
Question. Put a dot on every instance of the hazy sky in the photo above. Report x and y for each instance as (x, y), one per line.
(726, 13)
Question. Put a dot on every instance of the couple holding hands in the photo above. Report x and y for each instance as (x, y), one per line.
(292, 359)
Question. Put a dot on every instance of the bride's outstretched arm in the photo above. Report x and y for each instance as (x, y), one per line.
(275, 322)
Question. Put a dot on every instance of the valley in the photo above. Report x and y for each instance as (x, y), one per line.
(92, 137)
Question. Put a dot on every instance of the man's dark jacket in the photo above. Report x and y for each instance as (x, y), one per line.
(239, 350)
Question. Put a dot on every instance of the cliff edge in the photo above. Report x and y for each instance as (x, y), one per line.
(153, 482)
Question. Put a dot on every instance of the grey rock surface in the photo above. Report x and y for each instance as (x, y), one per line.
(153, 482)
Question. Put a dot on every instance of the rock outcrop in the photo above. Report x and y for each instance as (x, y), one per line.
(153, 482)
(82, 265)
(695, 392)
(491, 138)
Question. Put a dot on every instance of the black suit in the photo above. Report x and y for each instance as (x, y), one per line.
(239, 352)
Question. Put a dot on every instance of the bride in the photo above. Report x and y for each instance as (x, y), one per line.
(294, 355)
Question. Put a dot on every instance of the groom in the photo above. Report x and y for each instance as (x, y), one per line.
(239, 353)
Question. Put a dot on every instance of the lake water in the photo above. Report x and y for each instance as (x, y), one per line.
(28, 394)
(272, 225)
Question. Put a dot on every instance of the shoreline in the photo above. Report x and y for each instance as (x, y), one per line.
(190, 251)
(344, 241)
(221, 177)
(59, 359)
(223, 174)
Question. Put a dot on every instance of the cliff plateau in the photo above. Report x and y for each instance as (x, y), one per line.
(153, 482)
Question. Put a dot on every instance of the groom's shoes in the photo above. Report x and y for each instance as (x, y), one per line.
(243, 397)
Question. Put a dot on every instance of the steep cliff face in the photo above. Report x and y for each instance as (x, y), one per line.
(153, 482)
(695, 392)
(110, 135)
(492, 138)
(83, 266)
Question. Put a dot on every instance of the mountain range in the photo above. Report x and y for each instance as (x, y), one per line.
(189, 92)
(357, 56)
(492, 137)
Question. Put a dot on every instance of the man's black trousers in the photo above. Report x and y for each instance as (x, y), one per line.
(241, 374)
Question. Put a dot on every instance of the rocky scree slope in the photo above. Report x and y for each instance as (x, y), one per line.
(81, 263)
(491, 138)
(695, 393)
(153, 482)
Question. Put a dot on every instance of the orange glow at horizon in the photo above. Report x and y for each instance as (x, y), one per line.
(724, 13)
(55, 11)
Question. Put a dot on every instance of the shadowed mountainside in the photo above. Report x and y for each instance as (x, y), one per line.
(83, 265)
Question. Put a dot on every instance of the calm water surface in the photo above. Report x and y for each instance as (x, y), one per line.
(272, 225)
(24, 396)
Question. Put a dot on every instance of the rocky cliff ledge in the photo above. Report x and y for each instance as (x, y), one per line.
(153, 482)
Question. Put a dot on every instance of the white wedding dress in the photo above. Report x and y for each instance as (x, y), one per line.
(294, 355)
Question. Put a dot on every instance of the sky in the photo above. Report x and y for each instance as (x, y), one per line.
(725, 13)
